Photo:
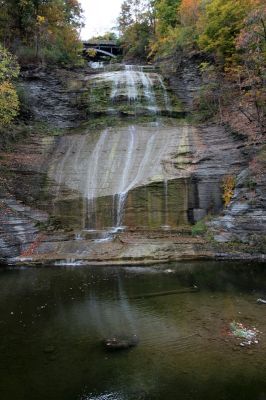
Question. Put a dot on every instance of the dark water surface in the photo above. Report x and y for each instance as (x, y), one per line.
(53, 320)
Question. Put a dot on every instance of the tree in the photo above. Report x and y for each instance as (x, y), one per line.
(135, 41)
(45, 28)
(251, 42)
(125, 19)
(166, 15)
(109, 36)
(220, 24)
(189, 12)
(136, 25)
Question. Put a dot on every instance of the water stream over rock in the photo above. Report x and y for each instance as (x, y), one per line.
(135, 165)
(100, 171)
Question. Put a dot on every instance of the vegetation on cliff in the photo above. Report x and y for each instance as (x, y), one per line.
(38, 32)
(228, 35)
(9, 103)
(41, 30)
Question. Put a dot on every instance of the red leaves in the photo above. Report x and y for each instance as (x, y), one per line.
(33, 246)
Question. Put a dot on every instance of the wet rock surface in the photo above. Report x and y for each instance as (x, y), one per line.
(62, 196)
(53, 96)
(243, 223)
(184, 77)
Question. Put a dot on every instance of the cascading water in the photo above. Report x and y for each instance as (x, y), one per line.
(105, 168)
(93, 178)
(135, 84)
(137, 88)
(165, 94)
(131, 83)
(122, 195)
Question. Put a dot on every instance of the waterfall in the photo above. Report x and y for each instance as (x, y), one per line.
(167, 101)
(93, 166)
(131, 80)
(133, 85)
(122, 195)
(117, 160)
(115, 84)
(92, 174)
(148, 90)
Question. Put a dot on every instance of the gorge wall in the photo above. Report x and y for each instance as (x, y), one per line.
(125, 176)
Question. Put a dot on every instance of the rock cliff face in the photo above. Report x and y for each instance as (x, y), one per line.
(52, 96)
(128, 190)
(241, 227)
(184, 77)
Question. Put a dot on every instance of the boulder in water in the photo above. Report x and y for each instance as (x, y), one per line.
(120, 342)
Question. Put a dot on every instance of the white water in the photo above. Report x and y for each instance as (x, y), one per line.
(135, 85)
(165, 94)
(131, 80)
(118, 159)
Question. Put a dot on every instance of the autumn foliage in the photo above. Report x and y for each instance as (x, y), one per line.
(9, 103)
(41, 30)
(189, 11)
(229, 34)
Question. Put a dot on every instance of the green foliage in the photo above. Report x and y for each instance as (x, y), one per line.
(136, 25)
(221, 23)
(212, 93)
(45, 30)
(199, 228)
(251, 44)
(9, 68)
(109, 36)
(9, 102)
(91, 53)
(230, 34)
(167, 15)
(135, 41)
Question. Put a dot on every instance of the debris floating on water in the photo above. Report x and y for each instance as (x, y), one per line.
(249, 335)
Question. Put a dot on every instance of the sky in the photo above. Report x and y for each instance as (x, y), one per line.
(99, 16)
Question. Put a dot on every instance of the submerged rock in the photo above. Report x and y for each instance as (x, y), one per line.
(120, 342)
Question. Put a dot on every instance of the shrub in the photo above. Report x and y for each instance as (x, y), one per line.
(9, 102)
(199, 228)
(228, 189)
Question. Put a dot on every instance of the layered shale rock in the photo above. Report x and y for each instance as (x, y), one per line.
(125, 193)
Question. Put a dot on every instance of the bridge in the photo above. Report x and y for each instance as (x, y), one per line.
(101, 49)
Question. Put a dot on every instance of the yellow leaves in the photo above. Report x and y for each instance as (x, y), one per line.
(228, 189)
(91, 53)
(24, 3)
(9, 103)
(40, 19)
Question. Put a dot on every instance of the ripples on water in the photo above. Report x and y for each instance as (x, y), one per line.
(53, 321)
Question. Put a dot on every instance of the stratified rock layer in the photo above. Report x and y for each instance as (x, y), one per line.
(124, 194)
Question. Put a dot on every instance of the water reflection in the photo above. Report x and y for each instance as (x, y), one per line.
(53, 321)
